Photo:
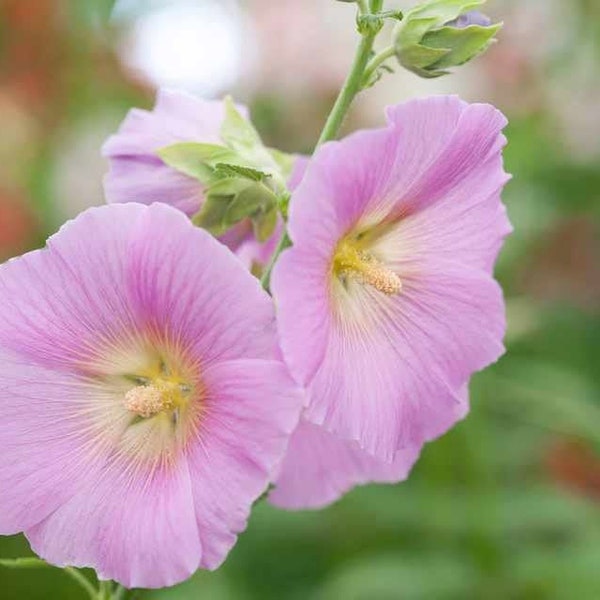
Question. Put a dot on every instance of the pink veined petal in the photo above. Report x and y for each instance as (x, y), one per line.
(475, 141)
(393, 364)
(300, 288)
(178, 295)
(188, 116)
(331, 197)
(319, 468)
(228, 475)
(147, 180)
(46, 440)
(132, 523)
(434, 149)
(61, 305)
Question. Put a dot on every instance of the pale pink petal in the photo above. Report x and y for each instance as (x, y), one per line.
(438, 149)
(178, 295)
(148, 180)
(300, 283)
(393, 364)
(61, 305)
(319, 468)
(460, 160)
(243, 439)
(133, 523)
(46, 439)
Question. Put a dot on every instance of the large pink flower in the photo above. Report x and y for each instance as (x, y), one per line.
(142, 411)
(386, 302)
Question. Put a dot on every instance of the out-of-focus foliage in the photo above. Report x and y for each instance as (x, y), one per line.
(506, 506)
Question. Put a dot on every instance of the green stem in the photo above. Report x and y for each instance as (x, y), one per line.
(363, 6)
(350, 89)
(284, 242)
(104, 591)
(119, 592)
(82, 580)
(376, 5)
(352, 86)
(377, 61)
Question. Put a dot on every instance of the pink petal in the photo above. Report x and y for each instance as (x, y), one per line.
(319, 468)
(132, 523)
(46, 440)
(392, 367)
(228, 476)
(178, 295)
(61, 305)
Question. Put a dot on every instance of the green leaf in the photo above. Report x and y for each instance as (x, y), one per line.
(226, 170)
(24, 563)
(238, 133)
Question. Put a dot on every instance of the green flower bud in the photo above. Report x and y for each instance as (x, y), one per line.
(440, 34)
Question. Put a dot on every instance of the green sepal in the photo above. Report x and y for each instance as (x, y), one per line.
(255, 199)
(238, 133)
(230, 186)
(426, 45)
(264, 225)
(284, 161)
(441, 11)
(227, 170)
(212, 214)
(466, 43)
(421, 57)
(230, 201)
(195, 159)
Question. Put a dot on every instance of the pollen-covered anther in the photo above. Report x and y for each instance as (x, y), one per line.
(150, 400)
(366, 269)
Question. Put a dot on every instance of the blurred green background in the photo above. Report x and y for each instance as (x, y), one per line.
(507, 505)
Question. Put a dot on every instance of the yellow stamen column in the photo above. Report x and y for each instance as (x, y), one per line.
(362, 266)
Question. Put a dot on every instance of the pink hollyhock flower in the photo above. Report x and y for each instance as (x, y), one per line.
(137, 174)
(319, 468)
(142, 409)
(386, 302)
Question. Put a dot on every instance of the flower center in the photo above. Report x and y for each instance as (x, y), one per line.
(365, 268)
(157, 397)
